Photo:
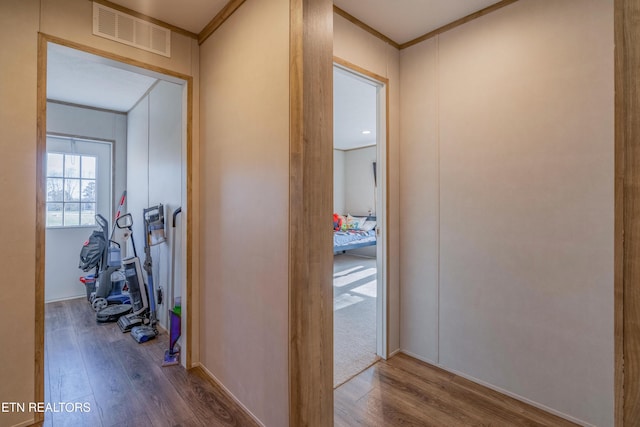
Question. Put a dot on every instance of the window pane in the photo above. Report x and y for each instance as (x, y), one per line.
(71, 190)
(88, 167)
(55, 189)
(71, 214)
(71, 166)
(88, 214)
(88, 190)
(55, 164)
(54, 214)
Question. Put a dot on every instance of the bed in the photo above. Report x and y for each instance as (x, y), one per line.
(354, 238)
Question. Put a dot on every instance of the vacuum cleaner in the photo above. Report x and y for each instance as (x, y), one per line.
(134, 281)
(172, 355)
(106, 290)
(154, 231)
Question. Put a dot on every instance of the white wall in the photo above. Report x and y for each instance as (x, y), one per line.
(63, 244)
(507, 201)
(359, 183)
(155, 175)
(245, 200)
(18, 26)
(353, 44)
(338, 182)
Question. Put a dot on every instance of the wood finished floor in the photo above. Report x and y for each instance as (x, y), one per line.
(123, 380)
(125, 386)
(403, 391)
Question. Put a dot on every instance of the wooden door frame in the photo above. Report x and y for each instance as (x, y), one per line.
(384, 82)
(627, 212)
(41, 151)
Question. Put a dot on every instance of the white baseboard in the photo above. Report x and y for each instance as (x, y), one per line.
(501, 390)
(68, 298)
(228, 392)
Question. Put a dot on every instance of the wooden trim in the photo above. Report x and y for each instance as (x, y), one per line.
(355, 21)
(627, 219)
(310, 209)
(147, 18)
(360, 70)
(43, 40)
(384, 81)
(86, 107)
(190, 253)
(105, 54)
(457, 23)
(386, 216)
(41, 152)
(219, 19)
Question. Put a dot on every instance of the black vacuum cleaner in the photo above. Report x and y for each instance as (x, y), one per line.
(154, 230)
(172, 355)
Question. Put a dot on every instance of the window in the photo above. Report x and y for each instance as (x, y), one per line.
(71, 190)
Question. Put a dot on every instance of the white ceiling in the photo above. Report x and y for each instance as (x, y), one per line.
(354, 111)
(401, 20)
(405, 20)
(85, 79)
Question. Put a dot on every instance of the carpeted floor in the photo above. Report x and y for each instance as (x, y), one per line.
(354, 315)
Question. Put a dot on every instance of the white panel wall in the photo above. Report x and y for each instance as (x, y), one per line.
(19, 21)
(155, 176)
(244, 199)
(138, 169)
(63, 244)
(419, 201)
(508, 130)
(359, 183)
(338, 182)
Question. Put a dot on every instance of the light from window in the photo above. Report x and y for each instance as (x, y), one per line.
(71, 190)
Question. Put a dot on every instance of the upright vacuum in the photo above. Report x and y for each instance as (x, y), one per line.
(172, 355)
(154, 231)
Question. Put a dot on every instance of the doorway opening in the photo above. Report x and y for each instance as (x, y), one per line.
(359, 280)
(113, 141)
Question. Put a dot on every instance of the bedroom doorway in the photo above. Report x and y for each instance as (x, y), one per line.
(359, 279)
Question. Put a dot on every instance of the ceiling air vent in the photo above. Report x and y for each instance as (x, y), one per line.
(115, 25)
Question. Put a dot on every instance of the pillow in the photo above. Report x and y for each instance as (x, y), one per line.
(368, 226)
(355, 223)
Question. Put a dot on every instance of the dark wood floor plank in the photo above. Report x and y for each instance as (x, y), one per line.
(415, 392)
(162, 401)
(116, 401)
(450, 397)
(78, 418)
(474, 397)
(204, 398)
(122, 379)
(406, 392)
